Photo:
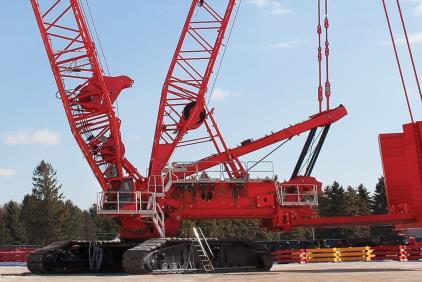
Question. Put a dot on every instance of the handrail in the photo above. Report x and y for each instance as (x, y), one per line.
(200, 241)
(206, 242)
(300, 197)
(188, 171)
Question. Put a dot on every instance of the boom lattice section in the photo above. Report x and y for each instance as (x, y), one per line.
(86, 93)
(182, 106)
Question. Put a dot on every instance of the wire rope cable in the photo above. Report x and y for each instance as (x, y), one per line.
(224, 52)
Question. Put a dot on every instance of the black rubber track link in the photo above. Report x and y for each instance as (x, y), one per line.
(72, 257)
(133, 259)
(38, 260)
(171, 255)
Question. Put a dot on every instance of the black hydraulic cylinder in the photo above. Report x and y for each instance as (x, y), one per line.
(317, 151)
(304, 152)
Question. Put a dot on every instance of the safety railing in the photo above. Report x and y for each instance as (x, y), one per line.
(186, 172)
(117, 202)
(297, 195)
(132, 203)
(159, 184)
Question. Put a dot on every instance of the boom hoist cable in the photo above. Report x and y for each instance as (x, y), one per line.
(397, 57)
(415, 72)
(313, 138)
(226, 45)
(327, 56)
(319, 31)
(103, 57)
(327, 90)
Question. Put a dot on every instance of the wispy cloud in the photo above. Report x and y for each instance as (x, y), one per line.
(417, 10)
(414, 39)
(26, 137)
(274, 7)
(6, 172)
(220, 94)
(286, 44)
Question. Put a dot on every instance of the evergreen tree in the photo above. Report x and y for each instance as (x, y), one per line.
(297, 234)
(332, 202)
(44, 180)
(104, 226)
(70, 221)
(29, 213)
(48, 211)
(4, 233)
(379, 200)
(365, 200)
(355, 205)
(12, 220)
(88, 231)
(381, 234)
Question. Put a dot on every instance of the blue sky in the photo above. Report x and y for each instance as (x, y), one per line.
(268, 81)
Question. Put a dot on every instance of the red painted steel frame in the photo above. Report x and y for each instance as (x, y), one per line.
(86, 93)
(88, 96)
(186, 85)
(319, 120)
(402, 163)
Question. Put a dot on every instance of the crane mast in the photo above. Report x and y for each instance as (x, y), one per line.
(156, 206)
(86, 92)
(183, 107)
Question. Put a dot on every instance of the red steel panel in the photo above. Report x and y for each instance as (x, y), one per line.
(402, 163)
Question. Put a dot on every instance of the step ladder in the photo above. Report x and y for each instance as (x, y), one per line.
(203, 250)
(159, 220)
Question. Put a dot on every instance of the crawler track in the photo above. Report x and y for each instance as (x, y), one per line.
(74, 257)
(154, 256)
(173, 255)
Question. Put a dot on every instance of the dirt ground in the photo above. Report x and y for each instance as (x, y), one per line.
(372, 271)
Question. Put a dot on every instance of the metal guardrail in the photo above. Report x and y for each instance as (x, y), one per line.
(182, 172)
(117, 202)
(132, 203)
(190, 172)
(297, 195)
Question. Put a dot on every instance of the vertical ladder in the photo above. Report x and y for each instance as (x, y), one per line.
(198, 245)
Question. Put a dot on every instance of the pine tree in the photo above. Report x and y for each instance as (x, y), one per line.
(70, 221)
(12, 220)
(88, 231)
(4, 233)
(44, 180)
(104, 226)
(355, 205)
(332, 202)
(48, 211)
(29, 218)
(296, 234)
(381, 234)
(365, 200)
(379, 200)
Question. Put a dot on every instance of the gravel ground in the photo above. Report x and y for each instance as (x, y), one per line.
(372, 271)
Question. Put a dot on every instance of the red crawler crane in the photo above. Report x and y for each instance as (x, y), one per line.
(218, 186)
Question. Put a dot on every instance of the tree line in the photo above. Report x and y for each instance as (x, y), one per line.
(45, 216)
